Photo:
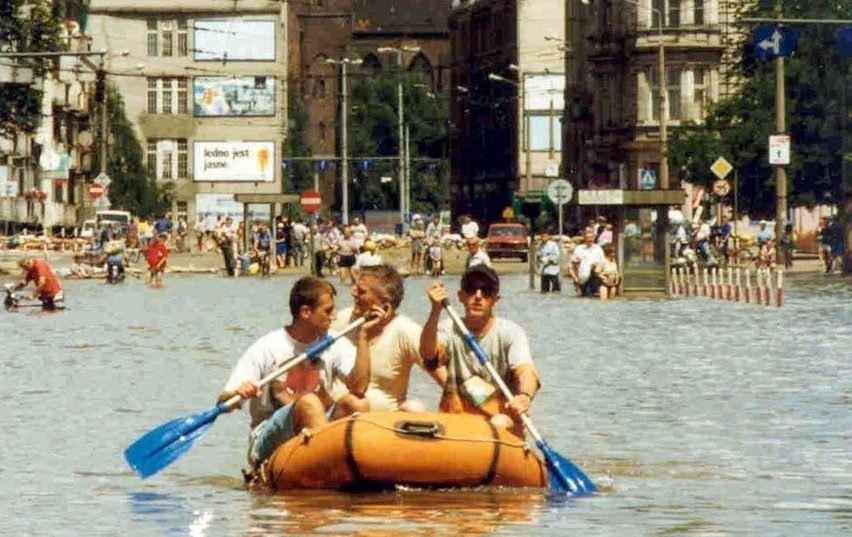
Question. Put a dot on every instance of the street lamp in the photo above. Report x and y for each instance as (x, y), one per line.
(522, 120)
(403, 202)
(344, 138)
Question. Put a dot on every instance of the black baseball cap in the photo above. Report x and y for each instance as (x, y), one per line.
(481, 273)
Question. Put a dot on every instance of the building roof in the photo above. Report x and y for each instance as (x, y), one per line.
(401, 16)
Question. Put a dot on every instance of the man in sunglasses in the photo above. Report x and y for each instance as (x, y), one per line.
(469, 387)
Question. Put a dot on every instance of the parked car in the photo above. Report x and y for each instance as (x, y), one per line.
(507, 240)
(87, 230)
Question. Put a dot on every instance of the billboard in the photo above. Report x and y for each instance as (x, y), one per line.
(242, 96)
(225, 40)
(234, 161)
(213, 206)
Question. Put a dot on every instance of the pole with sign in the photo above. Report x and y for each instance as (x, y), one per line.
(560, 192)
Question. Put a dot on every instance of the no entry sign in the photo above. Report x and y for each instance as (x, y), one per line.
(311, 201)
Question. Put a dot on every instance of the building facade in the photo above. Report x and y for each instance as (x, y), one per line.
(325, 33)
(205, 85)
(43, 173)
(612, 128)
(507, 102)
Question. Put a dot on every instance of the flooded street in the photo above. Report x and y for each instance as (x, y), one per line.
(693, 416)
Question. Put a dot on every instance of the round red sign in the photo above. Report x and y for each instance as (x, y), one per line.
(96, 190)
(311, 201)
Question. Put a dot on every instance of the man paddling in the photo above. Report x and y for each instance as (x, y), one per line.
(299, 398)
(469, 387)
(47, 286)
(394, 342)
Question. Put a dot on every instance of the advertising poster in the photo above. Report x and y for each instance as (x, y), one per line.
(224, 96)
(225, 40)
(234, 161)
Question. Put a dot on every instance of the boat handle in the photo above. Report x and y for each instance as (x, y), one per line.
(420, 428)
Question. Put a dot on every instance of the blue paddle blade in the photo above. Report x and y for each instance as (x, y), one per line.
(563, 475)
(160, 447)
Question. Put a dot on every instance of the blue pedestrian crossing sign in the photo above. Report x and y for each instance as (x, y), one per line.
(771, 41)
(647, 179)
(844, 42)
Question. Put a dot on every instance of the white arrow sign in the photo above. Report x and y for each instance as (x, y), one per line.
(773, 44)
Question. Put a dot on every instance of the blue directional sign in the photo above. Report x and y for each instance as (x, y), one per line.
(322, 165)
(647, 179)
(366, 165)
(844, 42)
(771, 41)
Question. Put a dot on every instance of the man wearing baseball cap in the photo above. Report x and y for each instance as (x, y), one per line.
(469, 387)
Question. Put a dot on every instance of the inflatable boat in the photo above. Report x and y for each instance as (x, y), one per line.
(386, 449)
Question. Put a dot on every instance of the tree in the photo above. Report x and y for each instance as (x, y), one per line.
(374, 133)
(133, 188)
(739, 127)
(26, 27)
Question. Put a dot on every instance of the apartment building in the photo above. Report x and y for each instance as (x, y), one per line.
(507, 101)
(43, 172)
(204, 83)
(612, 131)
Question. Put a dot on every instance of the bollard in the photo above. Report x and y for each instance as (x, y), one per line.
(747, 286)
(681, 280)
(688, 283)
(779, 290)
(712, 284)
(737, 286)
(706, 290)
(729, 290)
(674, 282)
(767, 284)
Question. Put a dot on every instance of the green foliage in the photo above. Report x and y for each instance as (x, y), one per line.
(739, 127)
(26, 27)
(299, 175)
(132, 189)
(374, 131)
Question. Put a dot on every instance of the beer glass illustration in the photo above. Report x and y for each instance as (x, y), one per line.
(262, 159)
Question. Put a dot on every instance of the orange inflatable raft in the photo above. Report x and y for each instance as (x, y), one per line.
(384, 449)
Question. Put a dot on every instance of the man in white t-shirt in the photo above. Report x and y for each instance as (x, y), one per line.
(299, 398)
(475, 254)
(469, 227)
(583, 260)
(393, 342)
(359, 230)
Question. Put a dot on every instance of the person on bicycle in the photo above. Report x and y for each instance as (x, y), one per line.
(702, 242)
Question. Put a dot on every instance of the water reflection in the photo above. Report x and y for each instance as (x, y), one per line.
(397, 513)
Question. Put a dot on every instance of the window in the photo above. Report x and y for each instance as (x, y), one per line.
(182, 159)
(545, 133)
(168, 40)
(153, 41)
(699, 93)
(182, 39)
(673, 76)
(669, 8)
(167, 159)
(168, 96)
(698, 15)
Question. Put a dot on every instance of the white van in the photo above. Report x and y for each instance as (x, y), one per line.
(120, 218)
(87, 230)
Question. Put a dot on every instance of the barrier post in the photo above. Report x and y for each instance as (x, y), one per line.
(779, 291)
(747, 286)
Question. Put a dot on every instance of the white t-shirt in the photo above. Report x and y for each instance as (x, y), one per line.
(470, 229)
(274, 350)
(479, 258)
(367, 259)
(359, 233)
(392, 355)
(587, 256)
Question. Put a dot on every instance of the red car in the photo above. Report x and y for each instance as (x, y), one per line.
(507, 240)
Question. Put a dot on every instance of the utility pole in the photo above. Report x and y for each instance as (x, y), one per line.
(780, 128)
(344, 134)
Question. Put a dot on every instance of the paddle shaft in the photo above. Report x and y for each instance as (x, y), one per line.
(314, 349)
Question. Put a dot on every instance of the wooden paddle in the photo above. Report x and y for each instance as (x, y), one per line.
(163, 445)
(563, 475)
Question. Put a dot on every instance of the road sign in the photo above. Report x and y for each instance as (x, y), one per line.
(102, 179)
(772, 40)
(721, 187)
(779, 149)
(560, 191)
(721, 168)
(96, 190)
(102, 203)
(647, 179)
(311, 201)
(844, 41)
